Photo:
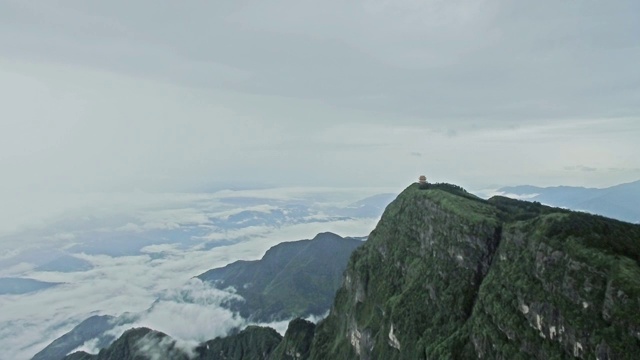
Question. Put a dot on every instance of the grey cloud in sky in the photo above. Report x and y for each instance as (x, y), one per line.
(174, 95)
(498, 61)
(580, 168)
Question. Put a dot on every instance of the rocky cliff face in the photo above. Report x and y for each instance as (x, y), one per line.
(447, 275)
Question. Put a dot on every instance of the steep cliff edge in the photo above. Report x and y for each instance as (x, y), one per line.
(448, 275)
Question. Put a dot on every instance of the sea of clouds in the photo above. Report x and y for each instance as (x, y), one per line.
(143, 251)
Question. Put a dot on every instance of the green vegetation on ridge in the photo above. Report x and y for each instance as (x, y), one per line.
(292, 279)
(449, 275)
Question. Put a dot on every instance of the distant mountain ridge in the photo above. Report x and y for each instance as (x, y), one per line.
(370, 207)
(18, 286)
(65, 263)
(620, 202)
(92, 327)
(292, 279)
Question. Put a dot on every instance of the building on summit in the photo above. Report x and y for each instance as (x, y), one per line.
(422, 181)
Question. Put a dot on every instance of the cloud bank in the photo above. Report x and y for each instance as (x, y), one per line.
(152, 278)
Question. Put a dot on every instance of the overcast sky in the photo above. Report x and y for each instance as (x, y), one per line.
(188, 95)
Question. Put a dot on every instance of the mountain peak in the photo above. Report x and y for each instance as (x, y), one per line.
(297, 278)
(327, 235)
(446, 274)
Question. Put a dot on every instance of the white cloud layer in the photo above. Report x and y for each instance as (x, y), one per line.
(159, 270)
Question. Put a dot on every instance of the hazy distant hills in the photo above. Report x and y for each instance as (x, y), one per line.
(17, 286)
(370, 207)
(129, 235)
(296, 278)
(93, 327)
(65, 263)
(620, 202)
